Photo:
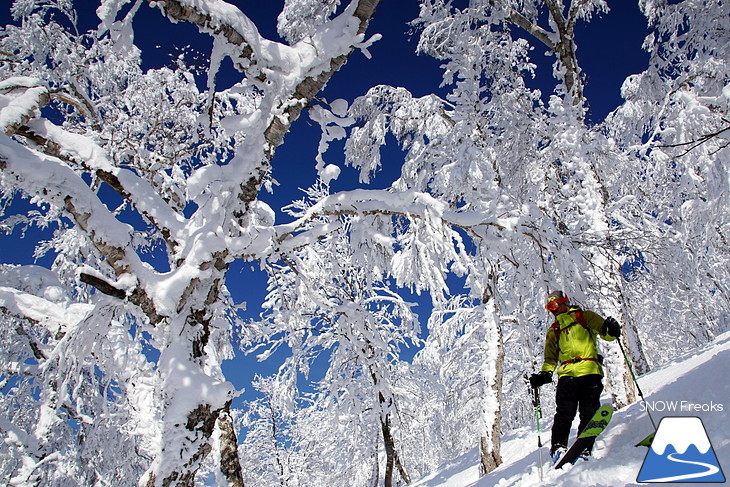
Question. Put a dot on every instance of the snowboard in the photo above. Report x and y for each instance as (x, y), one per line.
(595, 427)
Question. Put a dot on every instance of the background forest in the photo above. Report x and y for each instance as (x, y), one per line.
(401, 316)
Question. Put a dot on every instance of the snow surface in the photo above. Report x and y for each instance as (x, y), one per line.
(693, 385)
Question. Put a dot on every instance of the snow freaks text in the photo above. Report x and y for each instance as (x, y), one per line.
(682, 406)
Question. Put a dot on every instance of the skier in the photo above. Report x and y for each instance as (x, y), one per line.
(571, 341)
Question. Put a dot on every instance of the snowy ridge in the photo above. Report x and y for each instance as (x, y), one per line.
(682, 439)
(691, 378)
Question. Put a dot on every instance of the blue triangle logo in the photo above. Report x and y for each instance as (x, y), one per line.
(681, 452)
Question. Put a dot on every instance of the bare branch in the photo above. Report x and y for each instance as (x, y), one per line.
(698, 141)
(102, 286)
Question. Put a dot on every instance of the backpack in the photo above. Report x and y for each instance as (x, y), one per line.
(579, 319)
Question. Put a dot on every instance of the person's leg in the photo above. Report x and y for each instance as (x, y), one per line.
(589, 388)
(566, 405)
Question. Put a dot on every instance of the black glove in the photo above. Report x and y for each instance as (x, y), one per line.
(541, 378)
(611, 327)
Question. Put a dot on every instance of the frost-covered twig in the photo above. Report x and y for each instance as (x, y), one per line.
(698, 141)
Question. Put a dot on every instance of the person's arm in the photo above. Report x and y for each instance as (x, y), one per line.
(598, 324)
(551, 353)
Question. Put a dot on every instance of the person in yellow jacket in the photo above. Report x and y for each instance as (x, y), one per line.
(570, 348)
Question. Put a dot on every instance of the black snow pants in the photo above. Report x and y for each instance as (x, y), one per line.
(575, 394)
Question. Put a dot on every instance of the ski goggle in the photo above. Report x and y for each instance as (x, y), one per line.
(554, 303)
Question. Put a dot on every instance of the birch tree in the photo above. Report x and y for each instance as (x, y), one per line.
(336, 300)
(466, 151)
(496, 147)
(149, 185)
(675, 120)
(185, 167)
(579, 155)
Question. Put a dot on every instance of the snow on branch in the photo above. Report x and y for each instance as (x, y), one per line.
(410, 204)
(20, 98)
(695, 143)
(82, 151)
(263, 59)
(54, 317)
(48, 178)
(55, 183)
(292, 75)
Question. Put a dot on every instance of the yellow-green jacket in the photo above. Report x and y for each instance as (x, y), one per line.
(573, 345)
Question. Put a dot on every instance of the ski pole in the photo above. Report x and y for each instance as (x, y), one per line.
(536, 404)
(636, 382)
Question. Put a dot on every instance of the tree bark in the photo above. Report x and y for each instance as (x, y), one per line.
(564, 48)
(392, 461)
(391, 455)
(490, 456)
(230, 463)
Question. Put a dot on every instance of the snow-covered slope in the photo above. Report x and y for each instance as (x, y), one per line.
(697, 384)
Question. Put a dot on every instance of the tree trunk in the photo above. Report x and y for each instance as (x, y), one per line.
(199, 425)
(635, 349)
(375, 476)
(564, 47)
(392, 460)
(230, 463)
(187, 443)
(490, 456)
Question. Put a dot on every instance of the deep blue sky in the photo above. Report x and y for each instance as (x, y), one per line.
(609, 49)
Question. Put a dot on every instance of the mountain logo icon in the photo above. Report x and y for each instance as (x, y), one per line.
(681, 452)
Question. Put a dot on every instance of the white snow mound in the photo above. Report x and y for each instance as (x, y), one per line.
(681, 433)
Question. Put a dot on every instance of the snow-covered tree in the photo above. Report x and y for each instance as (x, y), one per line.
(676, 121)
(455, 402)
(76, 386)
(336, 300)
(266, 449)
(147, 182)
(151, 188)
(498, 148)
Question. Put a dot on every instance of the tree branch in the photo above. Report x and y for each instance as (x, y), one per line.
(304, 92)
(115, 256)
(533, 29)
(563, 47)
(102, 286)
(47, 138)
(466, 222)
(699, 141)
